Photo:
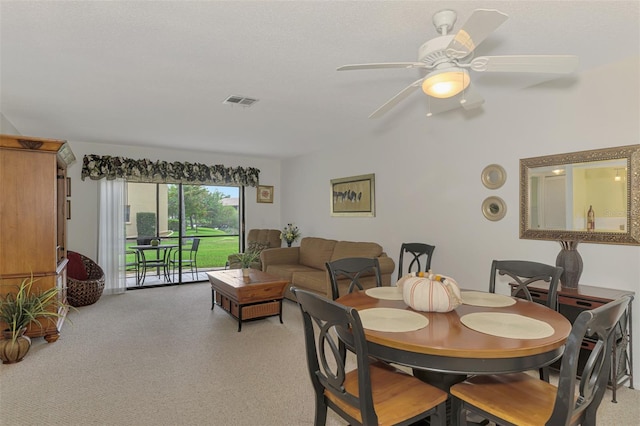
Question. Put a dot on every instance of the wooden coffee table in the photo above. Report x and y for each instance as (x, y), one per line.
(246, 298)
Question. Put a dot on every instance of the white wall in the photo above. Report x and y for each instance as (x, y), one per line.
(428, 186)
(6, 127)
(82, 228)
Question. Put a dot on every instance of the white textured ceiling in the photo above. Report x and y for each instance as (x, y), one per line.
(155, 73)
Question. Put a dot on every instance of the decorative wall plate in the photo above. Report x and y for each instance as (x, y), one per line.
(494, 208)
(493, 176)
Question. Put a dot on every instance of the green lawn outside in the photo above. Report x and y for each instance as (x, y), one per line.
(215, 246)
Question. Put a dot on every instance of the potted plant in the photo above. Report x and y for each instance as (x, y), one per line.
(17, 310)
(246, 259)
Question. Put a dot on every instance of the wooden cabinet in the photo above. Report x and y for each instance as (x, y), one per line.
(573, 301)
(33, 218)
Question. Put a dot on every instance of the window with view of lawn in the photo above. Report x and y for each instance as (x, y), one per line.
(182, 231)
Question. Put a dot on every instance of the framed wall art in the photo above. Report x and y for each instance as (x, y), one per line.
(265, 194)
(353, 196)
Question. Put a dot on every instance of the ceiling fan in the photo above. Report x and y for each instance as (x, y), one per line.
(448, 58)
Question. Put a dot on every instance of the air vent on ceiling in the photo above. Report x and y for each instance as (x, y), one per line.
(240, 100)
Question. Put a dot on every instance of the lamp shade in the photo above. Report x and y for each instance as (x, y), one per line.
(446, 83)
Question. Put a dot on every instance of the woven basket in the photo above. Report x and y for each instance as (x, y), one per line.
(87, 292)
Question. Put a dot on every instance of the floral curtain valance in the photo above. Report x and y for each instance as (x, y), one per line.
(97, 167)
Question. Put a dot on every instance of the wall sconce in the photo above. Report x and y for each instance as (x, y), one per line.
(446, 82)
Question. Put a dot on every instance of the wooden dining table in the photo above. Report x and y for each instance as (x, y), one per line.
(446, 351)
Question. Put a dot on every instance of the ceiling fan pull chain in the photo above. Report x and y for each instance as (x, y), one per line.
(464, 99)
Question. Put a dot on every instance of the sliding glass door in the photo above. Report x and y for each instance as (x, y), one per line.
(176, 233)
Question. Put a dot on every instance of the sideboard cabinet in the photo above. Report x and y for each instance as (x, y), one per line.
(33, 216)
(573, 301)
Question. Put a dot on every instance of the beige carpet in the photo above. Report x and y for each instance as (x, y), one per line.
(162, 357)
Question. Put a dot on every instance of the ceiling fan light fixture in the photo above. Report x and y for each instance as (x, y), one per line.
(446, 83)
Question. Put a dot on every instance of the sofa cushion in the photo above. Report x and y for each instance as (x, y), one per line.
(270, 236)
(315, 281)
(285, 271)
(75, 267)
(315, 252)
(345, 249)
(257, 246)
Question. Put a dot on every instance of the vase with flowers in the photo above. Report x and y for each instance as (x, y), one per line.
(290, 233)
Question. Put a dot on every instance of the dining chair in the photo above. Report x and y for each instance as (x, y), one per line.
(133, 263)
(373, 393)
(152, 257)
(353, 269)
(187, 258)
(521, 399)
(419, 251)
(524, 272)
(155, 262)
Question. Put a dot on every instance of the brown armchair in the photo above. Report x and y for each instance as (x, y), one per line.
(257, 240)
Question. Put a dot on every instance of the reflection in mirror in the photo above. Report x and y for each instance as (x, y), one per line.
(579, 197)
(590, 196)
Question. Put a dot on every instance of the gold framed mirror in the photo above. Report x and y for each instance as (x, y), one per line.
(590, 196)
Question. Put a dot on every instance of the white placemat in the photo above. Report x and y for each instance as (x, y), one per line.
(390, 319)
(489, 300)
(387, 293)
(512, 326)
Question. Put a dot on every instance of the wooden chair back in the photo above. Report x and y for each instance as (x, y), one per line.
(597, 324)
(399, 397)
(352, 268)
(523, 273)
(419, 252)
(519, 398)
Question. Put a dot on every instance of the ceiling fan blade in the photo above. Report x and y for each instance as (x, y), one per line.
(383, 65)
(480, 24)
(397, 98)
(471, 98)
(556, 64)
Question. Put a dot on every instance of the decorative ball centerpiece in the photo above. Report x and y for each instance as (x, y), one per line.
(429, 292)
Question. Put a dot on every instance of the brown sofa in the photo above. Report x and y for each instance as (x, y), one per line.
(304, 266)
(257, 240)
